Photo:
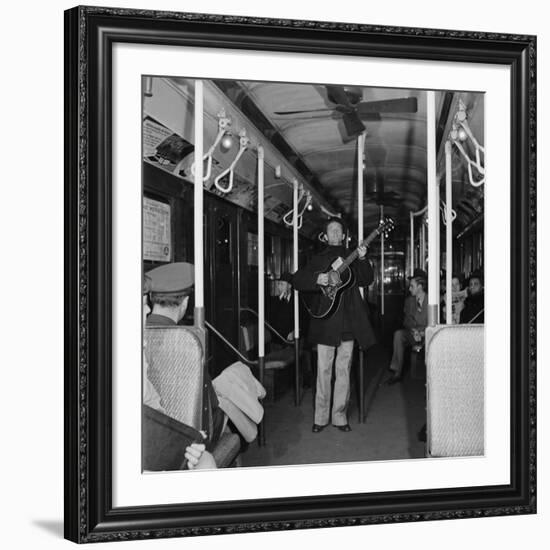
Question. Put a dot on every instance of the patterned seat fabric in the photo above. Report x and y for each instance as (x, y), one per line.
(455, 358)
(176, 370)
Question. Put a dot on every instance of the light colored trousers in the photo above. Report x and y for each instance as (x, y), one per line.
(325, 358)
(402, 339)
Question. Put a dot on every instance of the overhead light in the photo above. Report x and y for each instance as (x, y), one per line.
(462, 135)
(227, 142)
(244, 143)
(461, 115)
(454, 132)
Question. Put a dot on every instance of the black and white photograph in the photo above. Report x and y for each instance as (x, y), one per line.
(320, 299)
(300, 275)
(274, 275)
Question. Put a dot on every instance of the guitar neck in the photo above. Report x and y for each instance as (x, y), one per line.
(353, 256)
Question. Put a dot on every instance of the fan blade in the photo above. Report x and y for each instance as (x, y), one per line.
(323, 110)
(386, 195)
(404, 105)
(352, 124)
(306, 117)
(337, 94)
(384, 201)
(391, 195)
(371, 117)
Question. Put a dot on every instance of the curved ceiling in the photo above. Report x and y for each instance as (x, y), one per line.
(395, 158)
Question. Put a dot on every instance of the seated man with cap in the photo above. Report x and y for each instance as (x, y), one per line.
(196, 454)
(414, 322)
(171, 286)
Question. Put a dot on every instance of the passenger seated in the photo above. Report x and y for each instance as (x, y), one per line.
(474, 304)
(169, 287)
(414, 323)
(458, 296)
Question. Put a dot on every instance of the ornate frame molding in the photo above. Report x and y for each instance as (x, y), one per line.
(89, 35)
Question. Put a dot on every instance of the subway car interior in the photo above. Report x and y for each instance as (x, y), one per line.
(401, 173)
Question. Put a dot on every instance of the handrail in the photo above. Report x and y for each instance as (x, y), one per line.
(476, 221)
(273, 330)
(476, 315)
(249, 362)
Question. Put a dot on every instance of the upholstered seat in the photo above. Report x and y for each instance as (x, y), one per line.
(176, 370)
(455, 361)
(277, 356)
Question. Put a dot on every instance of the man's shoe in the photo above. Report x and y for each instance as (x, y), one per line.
(344, 428)
(317, 428)
(393, 379)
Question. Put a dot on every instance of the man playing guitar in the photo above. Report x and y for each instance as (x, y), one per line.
(335, 332)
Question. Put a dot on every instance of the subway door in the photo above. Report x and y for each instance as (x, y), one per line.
(388, 292)
(221, 282)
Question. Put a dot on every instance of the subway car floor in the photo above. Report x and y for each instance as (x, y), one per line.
(395, 415)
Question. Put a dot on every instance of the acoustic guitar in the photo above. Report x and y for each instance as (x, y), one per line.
(340, 276)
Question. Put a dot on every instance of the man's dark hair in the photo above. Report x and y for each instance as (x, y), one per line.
(168, 300)
(421, 281)
(476, 275)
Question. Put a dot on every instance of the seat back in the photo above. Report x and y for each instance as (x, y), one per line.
(176, 370)
(455, 358)
(249, 337)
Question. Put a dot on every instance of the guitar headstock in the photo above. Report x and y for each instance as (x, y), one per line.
(386, 226)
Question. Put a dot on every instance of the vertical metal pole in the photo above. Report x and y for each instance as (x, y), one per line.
(261, 296)
(433, 216)
(360, 207)
(411, 220)
(297, 373)
(449, 231)
(382, 264)
(422, 263)
(198, 229)
(261, 255)
(296, 303)
(198, 207)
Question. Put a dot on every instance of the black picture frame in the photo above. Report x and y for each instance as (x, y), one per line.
(90, 33)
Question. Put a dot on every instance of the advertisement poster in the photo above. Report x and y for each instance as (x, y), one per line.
(157, 238)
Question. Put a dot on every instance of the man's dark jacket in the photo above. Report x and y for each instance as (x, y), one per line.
(473, 309)
(352, 315)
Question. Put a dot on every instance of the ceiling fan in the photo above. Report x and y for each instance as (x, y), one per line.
(378, 195)
(348, 102)
(381, 197)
